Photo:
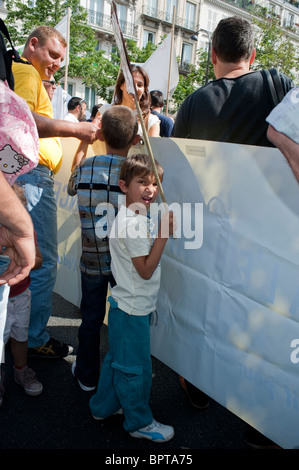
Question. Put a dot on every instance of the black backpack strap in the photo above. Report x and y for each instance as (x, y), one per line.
(274, 85)
(5, 60)
(270, 87)
(277, 84)
(7, 56)
(14, 54)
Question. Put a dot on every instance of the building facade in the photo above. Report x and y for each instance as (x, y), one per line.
(194, 22)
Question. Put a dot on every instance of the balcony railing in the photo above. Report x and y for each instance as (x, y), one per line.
(152, 12)
(251, 6)
(100, 20)
(167, 17)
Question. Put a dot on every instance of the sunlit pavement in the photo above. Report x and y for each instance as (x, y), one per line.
(59, 418)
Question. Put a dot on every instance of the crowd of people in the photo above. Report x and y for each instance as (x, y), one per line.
(232, 108)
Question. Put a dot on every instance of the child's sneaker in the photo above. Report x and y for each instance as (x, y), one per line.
(26, 377)
(155, 432)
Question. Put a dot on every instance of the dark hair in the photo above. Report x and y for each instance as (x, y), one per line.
(138, 165)
(95, 110)
(157, 99)
(73, 103)
(145, 100)
(233, 39)
(119, 126)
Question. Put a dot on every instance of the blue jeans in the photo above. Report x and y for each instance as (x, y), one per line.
(41, 204)
(126, 373)
(93, 309)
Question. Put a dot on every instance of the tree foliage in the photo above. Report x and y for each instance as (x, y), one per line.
(274, 47)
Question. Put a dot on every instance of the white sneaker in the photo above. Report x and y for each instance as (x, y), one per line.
(26, 377)
(155, 432)
(86, 388)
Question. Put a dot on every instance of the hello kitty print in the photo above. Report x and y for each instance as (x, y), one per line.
(18, 135)
(11, 162)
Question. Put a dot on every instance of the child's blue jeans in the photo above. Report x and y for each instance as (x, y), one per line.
(126, 374)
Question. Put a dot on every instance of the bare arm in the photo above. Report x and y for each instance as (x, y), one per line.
(154, 130)
(81, 152)
(80, 155)
(146, 265)
(288, 148)
(47, 127)
(16, 234)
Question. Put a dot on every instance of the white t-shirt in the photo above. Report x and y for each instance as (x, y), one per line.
(71, 117)
(130, 238)
(152, 119)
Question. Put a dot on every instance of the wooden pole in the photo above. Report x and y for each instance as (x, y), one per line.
(147, 142)
(67, 49)
(170, 59)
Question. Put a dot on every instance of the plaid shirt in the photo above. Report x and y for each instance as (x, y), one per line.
(95, 182)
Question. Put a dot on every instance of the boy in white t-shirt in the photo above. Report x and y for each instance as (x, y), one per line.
(126, 374)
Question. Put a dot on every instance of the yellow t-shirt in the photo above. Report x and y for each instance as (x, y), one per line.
(28, 85)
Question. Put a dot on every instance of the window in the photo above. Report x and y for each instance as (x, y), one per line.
(121, 12)
(186, 54)
(151, 7)
(204, 44)
(70, 88)
(104, 46)
(212, 20)
(190, 15)
(169, 9)
(96, 5)
(148, 37)
(291, 20)
(90, 97)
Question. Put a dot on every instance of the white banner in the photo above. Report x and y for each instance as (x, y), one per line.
(228, 306)
(157, 68)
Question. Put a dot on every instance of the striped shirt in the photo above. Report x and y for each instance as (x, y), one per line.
(96, 182)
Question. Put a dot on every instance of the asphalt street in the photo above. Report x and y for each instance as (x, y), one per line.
(59, 418)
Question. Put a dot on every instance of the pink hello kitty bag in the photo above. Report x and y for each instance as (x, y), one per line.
(18, 132)
(18, 135)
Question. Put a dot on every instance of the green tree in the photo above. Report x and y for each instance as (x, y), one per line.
(274, 47)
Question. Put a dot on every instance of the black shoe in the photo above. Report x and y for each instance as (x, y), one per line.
(197, 398)
(257, 440)
(53, 349)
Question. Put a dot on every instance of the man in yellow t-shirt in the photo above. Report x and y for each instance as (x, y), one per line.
(28, 84)
(45, 50)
